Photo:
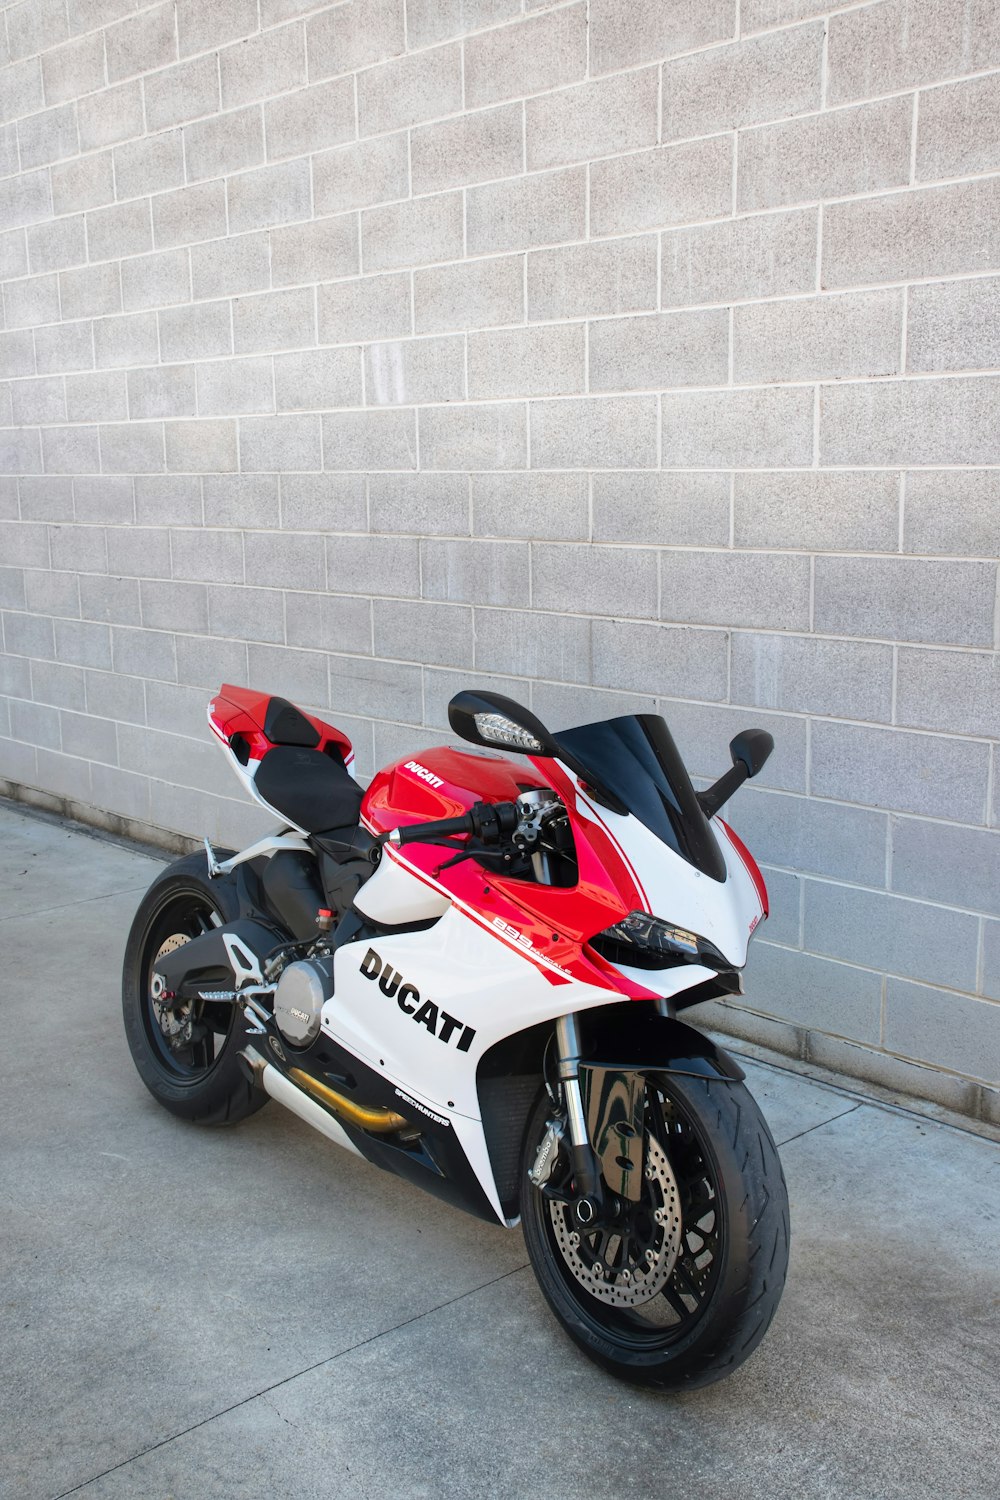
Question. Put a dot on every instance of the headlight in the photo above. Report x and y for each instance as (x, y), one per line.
(645, 942)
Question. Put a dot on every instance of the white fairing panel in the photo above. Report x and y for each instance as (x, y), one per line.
(725, 912)
(394, 897)
(469, 980)
(423, 1007)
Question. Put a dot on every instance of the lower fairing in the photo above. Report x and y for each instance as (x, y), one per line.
(474, 1164)
(444, 1154)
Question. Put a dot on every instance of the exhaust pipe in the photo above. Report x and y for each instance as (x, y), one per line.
(262, 1073)
(366, 1117)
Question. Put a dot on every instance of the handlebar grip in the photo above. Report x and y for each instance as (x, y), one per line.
(427, 832)
(488, 821)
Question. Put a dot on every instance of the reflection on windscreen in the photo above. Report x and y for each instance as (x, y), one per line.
(636, 758)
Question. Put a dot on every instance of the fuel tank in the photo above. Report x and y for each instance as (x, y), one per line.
(444, 783)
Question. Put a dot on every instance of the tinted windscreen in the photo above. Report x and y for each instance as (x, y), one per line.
(635, 758)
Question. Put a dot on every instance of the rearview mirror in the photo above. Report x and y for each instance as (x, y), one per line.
(751, 748)
(500, 723)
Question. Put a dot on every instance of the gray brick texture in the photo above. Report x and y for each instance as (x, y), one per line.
(623, 356)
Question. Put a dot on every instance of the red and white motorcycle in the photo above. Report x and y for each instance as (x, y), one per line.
(470, 974)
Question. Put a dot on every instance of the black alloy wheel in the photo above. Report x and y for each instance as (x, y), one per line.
(678, 1289)
(186, 1036)
(185, 1050)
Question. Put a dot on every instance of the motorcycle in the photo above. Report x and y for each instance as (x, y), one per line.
(471, 975)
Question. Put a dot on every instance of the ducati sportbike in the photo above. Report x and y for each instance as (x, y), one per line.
(471, 974)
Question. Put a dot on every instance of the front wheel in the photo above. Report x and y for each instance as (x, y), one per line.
(676, 1290)
(185, 1053)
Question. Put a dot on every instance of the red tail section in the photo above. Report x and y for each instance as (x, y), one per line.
(252, 723)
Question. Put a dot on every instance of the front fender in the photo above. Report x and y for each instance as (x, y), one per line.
(630, 1038)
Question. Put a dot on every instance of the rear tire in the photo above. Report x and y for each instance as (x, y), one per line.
(725, 1182)
(194, 1073)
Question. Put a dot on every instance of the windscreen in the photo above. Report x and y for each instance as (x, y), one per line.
(635, 758)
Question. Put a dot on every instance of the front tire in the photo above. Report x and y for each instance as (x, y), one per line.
(684, 1289)
(185, 1055)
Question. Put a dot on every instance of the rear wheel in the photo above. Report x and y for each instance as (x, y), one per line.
(185, 1052)
(674, 1291)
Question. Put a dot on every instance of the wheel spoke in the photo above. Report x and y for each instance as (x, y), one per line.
(603, 1240)
(686, 1282)
(187, 916)
(676, 1301)
(700, 1205)
(199, 1053)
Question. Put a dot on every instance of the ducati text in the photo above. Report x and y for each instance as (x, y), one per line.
(438, 1022)
(423, 773)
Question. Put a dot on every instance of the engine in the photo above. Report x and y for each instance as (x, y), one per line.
(303, 988)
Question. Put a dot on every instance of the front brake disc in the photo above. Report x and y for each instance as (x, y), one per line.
(631, 1263)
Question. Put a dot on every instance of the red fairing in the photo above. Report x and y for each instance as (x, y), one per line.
(751, 867)
(612, 855)
(557, 921)
(241, 711)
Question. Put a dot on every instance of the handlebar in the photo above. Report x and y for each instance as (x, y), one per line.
(427, 832)
(487, 821)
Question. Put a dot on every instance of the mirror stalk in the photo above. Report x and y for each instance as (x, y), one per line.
(720, 792)
(750, 750)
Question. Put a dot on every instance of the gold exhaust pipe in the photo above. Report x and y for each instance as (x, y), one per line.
(381, 1121)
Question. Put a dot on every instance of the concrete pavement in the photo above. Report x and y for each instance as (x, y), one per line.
(212, 1314)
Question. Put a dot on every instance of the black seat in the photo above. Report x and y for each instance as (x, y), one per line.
(312, 789)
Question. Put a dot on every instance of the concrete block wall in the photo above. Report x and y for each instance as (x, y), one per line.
(623, 355)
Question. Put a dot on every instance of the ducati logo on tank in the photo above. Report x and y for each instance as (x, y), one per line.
(438, 1022)
(423, 773)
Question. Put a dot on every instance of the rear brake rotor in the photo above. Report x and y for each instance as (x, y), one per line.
(170, 945)
(174, 1020)
(631, 1263)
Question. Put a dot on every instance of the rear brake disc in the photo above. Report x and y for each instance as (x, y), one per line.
(174, 1020)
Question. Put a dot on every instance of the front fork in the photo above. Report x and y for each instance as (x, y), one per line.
(586, 1168)
(604, 1112)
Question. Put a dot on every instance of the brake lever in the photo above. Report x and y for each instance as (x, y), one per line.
(456, 859)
